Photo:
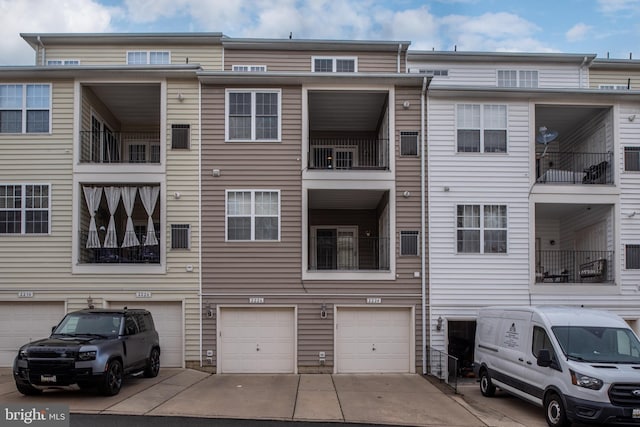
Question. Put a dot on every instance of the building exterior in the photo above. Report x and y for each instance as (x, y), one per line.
(529, 201)
(99, 183)
(311, 212)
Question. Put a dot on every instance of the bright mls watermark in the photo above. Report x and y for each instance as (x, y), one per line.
(34, 415)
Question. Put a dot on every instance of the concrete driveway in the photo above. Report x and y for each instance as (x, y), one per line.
(383, 399)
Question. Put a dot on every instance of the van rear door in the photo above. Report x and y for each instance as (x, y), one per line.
(512, 342)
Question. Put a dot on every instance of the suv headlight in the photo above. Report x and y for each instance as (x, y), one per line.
(22, 354)
(585, 381)
(87, 355)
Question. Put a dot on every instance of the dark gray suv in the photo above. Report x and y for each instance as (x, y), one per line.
(93, 348)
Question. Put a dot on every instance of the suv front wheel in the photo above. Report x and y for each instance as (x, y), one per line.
(112, 380)
(153, 364)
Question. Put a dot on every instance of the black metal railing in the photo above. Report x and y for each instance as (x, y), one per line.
(119, 147)
(443, 366)
(140, 254)
(348, 253)
(348, 153)
(574, 168)
(574, 267)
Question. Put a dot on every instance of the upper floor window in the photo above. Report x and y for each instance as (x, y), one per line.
(253, 215)
(24, 108)
(148, 57)
(249, 68)
(63, 62)
(430, 72)
(24, 209)
(253, 115)
(632, 158)
(613, 87)
(327, 64)
(481, 229)
(517, 78)
(482, 128)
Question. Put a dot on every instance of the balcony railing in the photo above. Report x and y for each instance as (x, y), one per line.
(348, 153)
(119, 147)
(133, 255)
(574, 168)
(348, 253)
(574, 267)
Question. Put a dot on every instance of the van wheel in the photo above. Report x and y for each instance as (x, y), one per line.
(554, 411)
(486, 387)
(153, 364)
(112, 379)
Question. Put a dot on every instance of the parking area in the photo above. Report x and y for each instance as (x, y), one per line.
(383, 399)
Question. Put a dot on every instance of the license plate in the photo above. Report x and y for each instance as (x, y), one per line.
(635, 413)
(52, 379)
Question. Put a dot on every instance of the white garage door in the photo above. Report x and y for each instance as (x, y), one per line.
(21, 322)
(256, 340)
(370, 340)
(167, 316)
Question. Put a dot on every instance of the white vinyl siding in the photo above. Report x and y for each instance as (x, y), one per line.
(481, 128)
(25, 108)
(253, 115)
(253, 215)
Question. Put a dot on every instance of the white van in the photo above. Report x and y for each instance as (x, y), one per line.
(579, 364)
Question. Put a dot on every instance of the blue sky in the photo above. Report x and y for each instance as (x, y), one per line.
(572, 26)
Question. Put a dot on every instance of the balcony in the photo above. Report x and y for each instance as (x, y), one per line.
(338, 250)
(119, 147)
(574, 266)
(139, 254)
(574, 168)
(348, 154)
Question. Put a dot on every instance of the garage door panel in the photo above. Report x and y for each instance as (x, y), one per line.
(256, 340)
(167, 317)
(373, 340)
(22, 322)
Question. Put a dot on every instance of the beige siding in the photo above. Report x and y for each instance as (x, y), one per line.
(614, 77)
(285, 60)
(250, 266)
(210, 57)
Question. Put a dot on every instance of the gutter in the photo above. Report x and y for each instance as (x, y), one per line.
(423, 239)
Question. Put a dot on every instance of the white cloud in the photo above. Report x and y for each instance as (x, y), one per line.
(578, 32)
(42, 16)
(615, 6)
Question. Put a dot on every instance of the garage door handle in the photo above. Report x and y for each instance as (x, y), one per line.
(374, 347)
(257, 347)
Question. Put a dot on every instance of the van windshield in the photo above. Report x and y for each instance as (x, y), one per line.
(598, 344)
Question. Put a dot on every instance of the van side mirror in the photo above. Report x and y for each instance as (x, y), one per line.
(544, 358)
(53, 328)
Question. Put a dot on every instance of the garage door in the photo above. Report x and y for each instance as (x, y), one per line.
(21, 322)
(370, 340)
(256, 340)
(167, 317)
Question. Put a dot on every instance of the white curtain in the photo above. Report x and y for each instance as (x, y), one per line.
(128, 199)
(92, 196)
(149, 197)
(113, 198)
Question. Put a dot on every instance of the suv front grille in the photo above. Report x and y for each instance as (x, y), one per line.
(625, 394)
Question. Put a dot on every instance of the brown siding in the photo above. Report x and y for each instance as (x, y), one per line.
(295, 60)
(250, 266)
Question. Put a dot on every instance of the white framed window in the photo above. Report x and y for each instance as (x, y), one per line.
(63, 62)
(481, 229)
(430, 72)
(613, 87)
(517, 78)
(25, 208)
(249, 68)
(409, 143)
(409, 243)
(334, 64)
(148, 57)
(253, 215)
(481, 128)
(180, 236)
(253, 115)
(25, 108)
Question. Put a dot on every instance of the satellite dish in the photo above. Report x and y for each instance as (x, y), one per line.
(545, 136)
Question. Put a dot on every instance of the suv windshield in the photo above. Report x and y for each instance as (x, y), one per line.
(90, 324)
(598, 344)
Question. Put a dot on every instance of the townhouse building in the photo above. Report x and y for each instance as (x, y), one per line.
(312, 251)
(99, 198)
(530, 189)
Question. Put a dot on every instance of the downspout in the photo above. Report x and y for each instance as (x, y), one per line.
(44, 52)
(398, 59)
(581, 71)
(423, 241)
(200, 213)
